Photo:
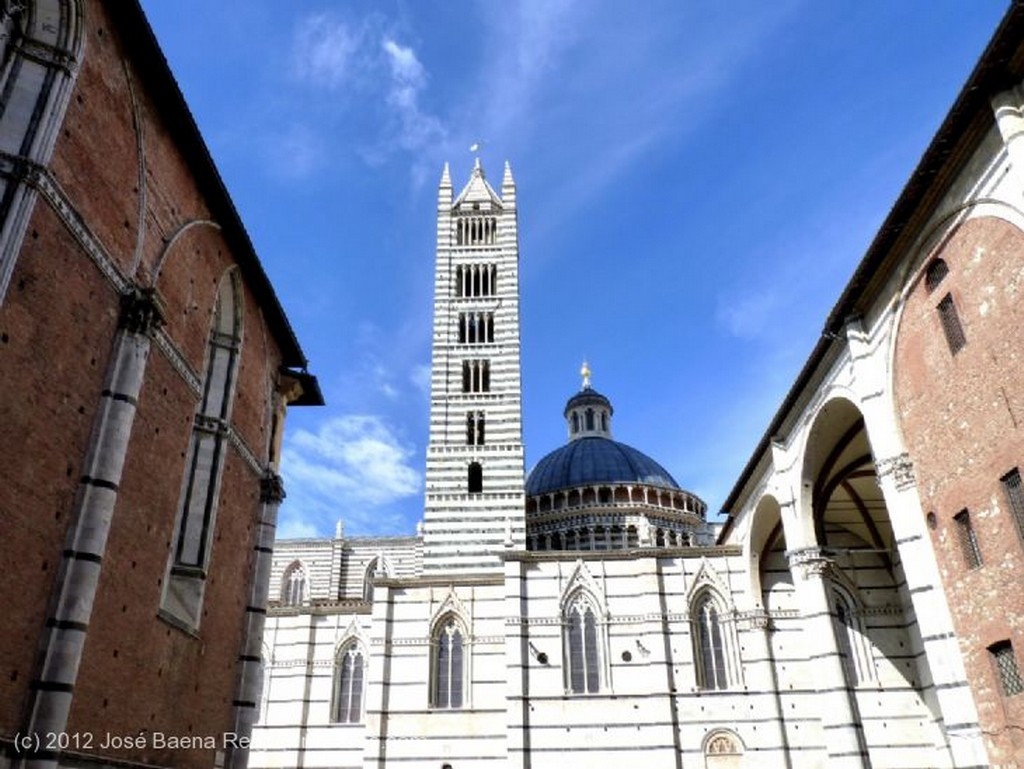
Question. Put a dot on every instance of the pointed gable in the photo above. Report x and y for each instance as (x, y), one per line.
(478, 195)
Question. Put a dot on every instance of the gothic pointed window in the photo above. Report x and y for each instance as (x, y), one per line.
(349, 686)
(209, 432)
(449, 677)
(581, 645)
(293, 585)
(208, 445)
(709, 643)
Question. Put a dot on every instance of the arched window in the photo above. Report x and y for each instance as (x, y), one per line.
(710, 645)
(575, 422)
(449, 666)
(190, 553)
(293, 585)
(371, 570)
(475, 480)
(589, 418)
(850, 640)
(936, 271)
(349, 682)
(583, 675)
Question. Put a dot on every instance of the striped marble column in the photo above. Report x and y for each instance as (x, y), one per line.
(844, 738)
(80, 568)
(250, 657)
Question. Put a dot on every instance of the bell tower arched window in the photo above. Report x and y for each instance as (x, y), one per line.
(476, 478)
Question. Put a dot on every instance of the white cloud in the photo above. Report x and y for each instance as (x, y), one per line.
(354, 456)
(324, 50)
(353, 468)
(416, 129)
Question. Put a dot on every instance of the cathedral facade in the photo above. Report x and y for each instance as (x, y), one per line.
(860, 606)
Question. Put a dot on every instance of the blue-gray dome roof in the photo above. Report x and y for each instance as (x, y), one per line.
(590, 460)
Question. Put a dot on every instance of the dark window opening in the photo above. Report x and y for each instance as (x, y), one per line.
(1005, 663)
(1015, 496)
(951, 325)
(933, 276)
(968, 539)
(476, 478)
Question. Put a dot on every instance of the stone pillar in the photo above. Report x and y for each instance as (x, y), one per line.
(518, 658)
(79, 574)
(951, 692)
(844, 738)
(378, 674)
(762, 677)
(250, 655)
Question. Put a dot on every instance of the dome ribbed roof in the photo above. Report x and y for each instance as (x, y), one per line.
(595, 460)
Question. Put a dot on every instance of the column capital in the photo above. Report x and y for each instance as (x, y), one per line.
(272, 488)
(811, 562)
(900, 467)
(141, 312)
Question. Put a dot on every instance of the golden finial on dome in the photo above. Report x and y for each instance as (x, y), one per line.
(585, 373)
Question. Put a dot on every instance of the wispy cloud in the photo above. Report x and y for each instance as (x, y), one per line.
(353, 467)
(324, 50)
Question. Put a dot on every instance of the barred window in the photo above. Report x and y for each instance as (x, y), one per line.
(968, 539)
(1015, 497)
(348, 686)
(936, 271)
(449, 660)
(1005, 663)
(710, 646)
(951, 325)
(584, 675)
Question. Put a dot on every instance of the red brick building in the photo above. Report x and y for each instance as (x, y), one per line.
(902, 438)
(146, 367)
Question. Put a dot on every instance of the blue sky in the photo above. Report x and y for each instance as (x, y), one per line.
(696, 182)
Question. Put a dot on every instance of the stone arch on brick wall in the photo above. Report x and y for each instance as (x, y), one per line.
(39, 62)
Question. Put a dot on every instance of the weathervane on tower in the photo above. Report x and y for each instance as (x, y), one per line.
(585, 373)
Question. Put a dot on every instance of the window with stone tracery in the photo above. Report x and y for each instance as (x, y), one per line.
(293, 585)
(449, 668)
(583, 675)
(349, 686)
(709, 643)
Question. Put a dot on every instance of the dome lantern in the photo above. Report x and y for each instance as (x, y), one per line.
(588, 414)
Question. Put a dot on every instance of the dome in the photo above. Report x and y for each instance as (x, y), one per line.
(594, 459)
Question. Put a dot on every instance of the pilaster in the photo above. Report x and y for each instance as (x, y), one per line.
(79, 574)
(250, 656)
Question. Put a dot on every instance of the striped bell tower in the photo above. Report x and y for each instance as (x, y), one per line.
(475, 506)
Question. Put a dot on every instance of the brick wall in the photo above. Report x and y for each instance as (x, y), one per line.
(961, 417)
